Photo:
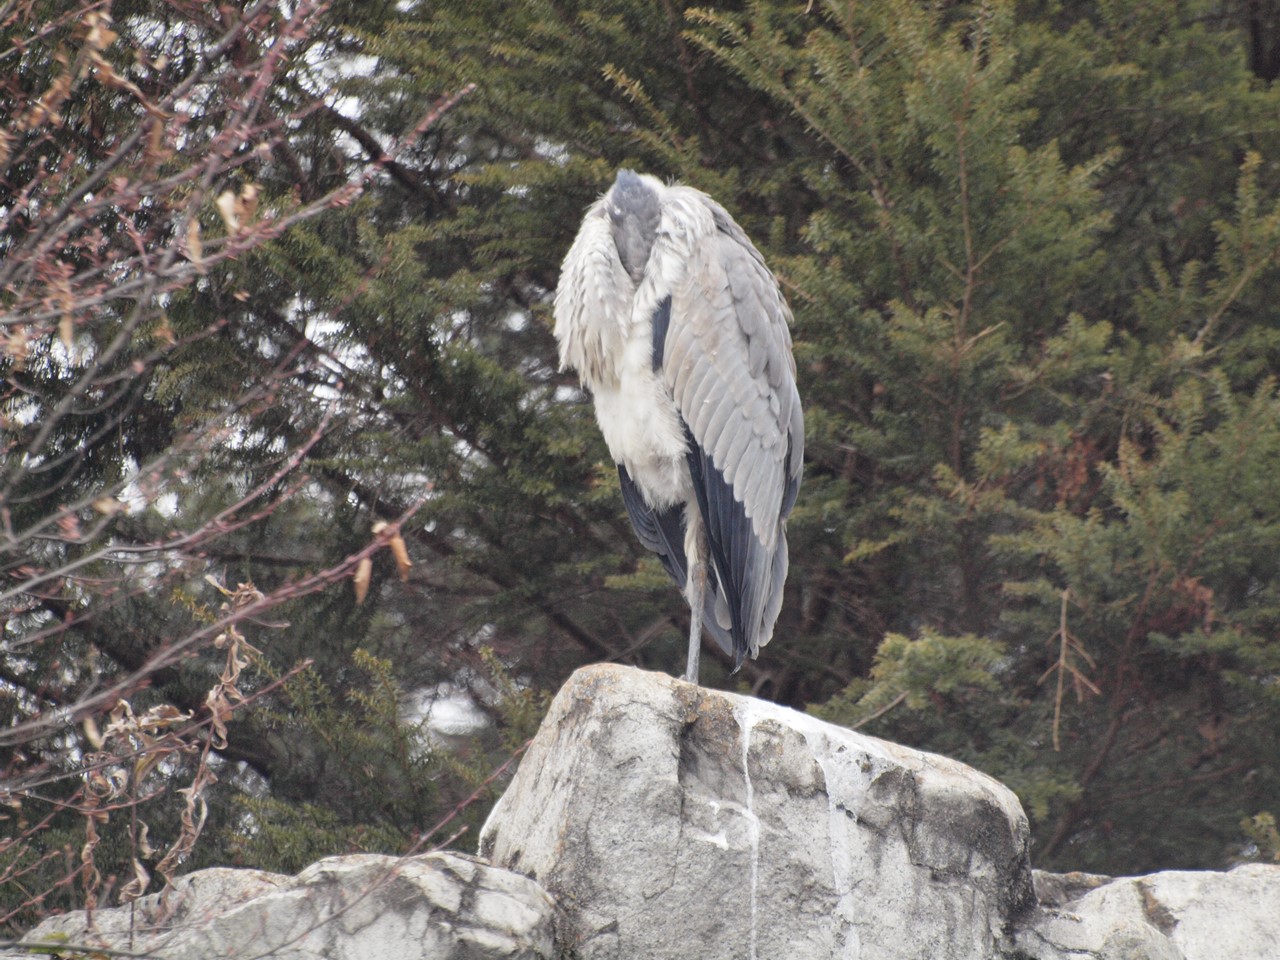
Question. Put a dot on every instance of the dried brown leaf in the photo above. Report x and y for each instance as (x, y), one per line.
(226, 204)
(144, 840)
(195, 249)
(138, 885)
(109, 506)
(401, 553)
(17, 346)
(364, 573)
(92, 733)
(100, 35)
(147, 762)
(66, 302)
(156, 148)
(219, 712)
(90, 877)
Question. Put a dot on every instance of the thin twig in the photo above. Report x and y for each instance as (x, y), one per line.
(877, 714)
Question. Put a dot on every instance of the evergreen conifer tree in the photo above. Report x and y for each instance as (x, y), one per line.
(1031, 250)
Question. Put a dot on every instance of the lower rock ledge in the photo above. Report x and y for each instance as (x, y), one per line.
(439, 906)
(1175, 915)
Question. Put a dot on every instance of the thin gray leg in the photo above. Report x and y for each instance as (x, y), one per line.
(697, 590)
(695, 544)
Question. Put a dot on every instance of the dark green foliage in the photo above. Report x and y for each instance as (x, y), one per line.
(1033, 434)
(1032, 253)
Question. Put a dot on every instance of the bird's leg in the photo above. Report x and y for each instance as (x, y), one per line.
(695, 546)
(697, 590)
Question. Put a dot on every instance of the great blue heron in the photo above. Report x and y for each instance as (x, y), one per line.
(676, 326)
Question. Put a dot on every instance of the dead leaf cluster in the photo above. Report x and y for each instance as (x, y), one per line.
(390, 535)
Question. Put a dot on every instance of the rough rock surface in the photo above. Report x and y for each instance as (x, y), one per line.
(671, 821)
(432, 907)
(1175, 915)
(663, 815)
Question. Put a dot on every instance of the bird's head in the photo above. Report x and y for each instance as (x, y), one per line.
(635, 208)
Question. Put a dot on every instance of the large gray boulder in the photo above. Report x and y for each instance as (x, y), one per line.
(1175, 915)
(440, 906)
(672, 821)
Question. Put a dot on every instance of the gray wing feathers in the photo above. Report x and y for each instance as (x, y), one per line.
(728, 364)
(781, 560)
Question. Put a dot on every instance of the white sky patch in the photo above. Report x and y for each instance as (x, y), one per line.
(557, 153)
(447, 709)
